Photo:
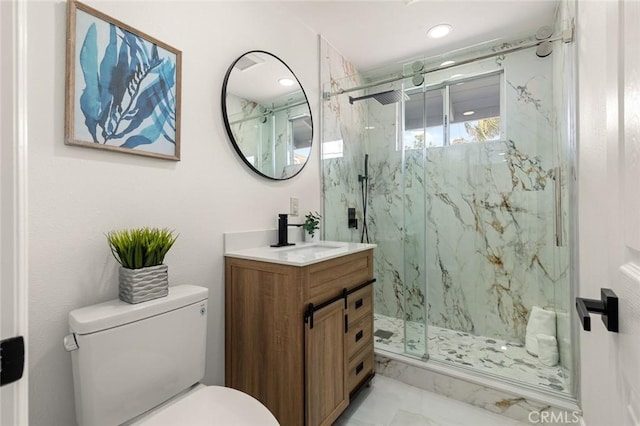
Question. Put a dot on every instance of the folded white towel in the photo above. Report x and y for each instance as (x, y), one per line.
(547, 350)
(541, 321)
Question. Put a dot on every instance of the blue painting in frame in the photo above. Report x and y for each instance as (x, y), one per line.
(123, 87)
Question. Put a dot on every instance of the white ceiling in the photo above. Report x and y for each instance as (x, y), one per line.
(259, 82)
(371, 33)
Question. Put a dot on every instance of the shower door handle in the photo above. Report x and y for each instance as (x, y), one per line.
(558, 206)
(607, 306)
(11, 360)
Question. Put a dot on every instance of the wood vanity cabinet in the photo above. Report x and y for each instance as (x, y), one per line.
(299, 338)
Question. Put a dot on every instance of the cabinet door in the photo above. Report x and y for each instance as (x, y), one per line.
(326, 365)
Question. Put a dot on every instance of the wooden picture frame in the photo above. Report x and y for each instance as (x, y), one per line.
(122, 87)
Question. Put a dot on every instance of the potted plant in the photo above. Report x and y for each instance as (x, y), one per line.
(140, 253)
(311, 225)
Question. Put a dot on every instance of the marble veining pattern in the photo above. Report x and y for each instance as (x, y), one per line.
(389, 402)
(483, 354)
(342, 123)
(496, 401)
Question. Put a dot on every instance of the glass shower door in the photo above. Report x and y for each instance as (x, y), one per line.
(412, 136)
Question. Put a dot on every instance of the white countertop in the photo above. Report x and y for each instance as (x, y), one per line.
(300, 254)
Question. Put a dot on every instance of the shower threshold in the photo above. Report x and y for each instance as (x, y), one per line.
(481, 354)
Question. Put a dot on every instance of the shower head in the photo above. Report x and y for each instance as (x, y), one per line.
(385, 98)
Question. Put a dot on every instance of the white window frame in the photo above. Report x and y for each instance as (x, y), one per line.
(446, 105)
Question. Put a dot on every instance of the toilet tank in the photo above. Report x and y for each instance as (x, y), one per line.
(131, 358)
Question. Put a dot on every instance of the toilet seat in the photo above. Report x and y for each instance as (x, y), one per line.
(210, 405)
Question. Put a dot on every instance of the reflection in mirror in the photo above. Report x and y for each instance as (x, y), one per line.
(267, 115)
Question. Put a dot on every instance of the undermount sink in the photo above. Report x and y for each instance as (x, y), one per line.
(310, 250)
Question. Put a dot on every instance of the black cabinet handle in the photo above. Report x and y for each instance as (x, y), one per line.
(359, 367)
(359, 335)
(607, 307)
(308, 315)
(358, 303)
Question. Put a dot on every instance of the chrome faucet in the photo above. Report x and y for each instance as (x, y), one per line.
(283, 231)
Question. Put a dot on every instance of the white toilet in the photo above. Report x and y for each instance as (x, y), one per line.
(141, 364)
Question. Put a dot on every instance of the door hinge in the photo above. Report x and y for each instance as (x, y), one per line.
(11, 359)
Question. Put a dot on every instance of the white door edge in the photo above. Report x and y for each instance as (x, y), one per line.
(14, 408)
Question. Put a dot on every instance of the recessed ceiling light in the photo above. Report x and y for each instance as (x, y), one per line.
(286, 82)
(439, 31)
(447, 63)
(468, 113)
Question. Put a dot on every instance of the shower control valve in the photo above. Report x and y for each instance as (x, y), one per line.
(351, 218)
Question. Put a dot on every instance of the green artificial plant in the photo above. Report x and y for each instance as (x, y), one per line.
(140, 247)
(311, 222)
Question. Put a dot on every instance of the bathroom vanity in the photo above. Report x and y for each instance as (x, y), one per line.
(298, 327)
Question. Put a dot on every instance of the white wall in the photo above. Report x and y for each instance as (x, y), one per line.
(77, 194)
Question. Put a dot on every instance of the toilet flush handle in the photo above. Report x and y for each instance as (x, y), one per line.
(70, 343)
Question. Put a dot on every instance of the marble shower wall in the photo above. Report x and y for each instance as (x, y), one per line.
(396, 213)
(343, 133)
(482, 215)
(491, 251)
(353, 124)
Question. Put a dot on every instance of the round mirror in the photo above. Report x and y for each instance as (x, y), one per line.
(267, 115)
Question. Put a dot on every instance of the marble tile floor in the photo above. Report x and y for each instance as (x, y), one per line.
(493, 356)
(388, 402)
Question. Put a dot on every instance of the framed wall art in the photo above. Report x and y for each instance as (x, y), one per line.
(122, 87)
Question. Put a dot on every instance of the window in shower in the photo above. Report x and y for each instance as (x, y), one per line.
(474, 110)
(332, 149)
(424, 106)
(464, 111)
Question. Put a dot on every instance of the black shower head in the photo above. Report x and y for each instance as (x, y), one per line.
(385, 98)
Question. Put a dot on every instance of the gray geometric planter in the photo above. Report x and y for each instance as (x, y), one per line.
(140, 285)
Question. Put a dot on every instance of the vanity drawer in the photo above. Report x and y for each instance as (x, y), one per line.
(360, 303)
(327, 280)
(359, 335)
(360, 368)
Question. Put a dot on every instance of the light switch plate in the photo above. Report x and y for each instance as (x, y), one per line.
(293, 206)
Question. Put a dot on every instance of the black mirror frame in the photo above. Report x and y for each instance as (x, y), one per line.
(227, 126)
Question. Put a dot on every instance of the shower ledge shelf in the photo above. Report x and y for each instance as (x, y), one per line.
(555, 400)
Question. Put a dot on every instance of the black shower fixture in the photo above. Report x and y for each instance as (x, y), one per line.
(385, 98)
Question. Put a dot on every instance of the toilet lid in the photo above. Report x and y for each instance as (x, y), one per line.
(213, 405)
